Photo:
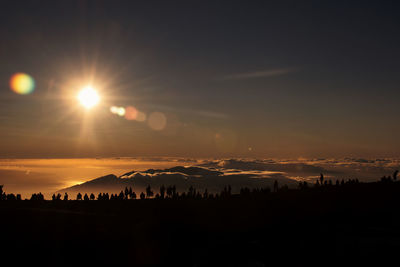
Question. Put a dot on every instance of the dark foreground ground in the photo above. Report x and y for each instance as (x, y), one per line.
(327, 226)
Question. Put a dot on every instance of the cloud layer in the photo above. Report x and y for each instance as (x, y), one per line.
(50, 175)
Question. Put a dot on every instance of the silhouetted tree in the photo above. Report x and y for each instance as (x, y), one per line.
(11, 197)
(191, 192)
(130, 193)
(1, 193)
(303, 185)
(79, 196)
(162, 191)
(86, 197)
(133, 195)
(395, 175)
(246, 191)
(169, 191)
(276, 186)
(149, 193)
(284, 187)
(92, 197)
(142, 196)
(205, 194)
(267, 190)
(37, 197)
(385, 179)
(65, 196)
(321, 179)
(174, 193)
(126, 193)
(300, 185)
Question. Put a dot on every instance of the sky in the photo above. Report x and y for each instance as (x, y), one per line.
(253, 79)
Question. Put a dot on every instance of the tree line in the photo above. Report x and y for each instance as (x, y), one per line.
(170, 192)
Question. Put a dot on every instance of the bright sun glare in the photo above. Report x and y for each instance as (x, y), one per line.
(88, 97)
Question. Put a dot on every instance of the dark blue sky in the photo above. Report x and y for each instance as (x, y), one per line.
(233, 78)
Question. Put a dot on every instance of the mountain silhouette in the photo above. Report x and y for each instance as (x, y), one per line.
(182, 177)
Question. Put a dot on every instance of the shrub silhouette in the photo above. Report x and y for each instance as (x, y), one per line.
(79, 196)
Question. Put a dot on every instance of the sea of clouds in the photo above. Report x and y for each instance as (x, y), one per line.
(50, 175)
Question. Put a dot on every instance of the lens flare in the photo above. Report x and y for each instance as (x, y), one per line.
(141, 116)
(157, 121)
(121, 111)
(114, 110)
(22, 83)
(131, 113)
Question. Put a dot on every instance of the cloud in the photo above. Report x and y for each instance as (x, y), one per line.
(257, 74)
(266, 165)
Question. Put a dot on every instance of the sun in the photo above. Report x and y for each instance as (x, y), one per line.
(88, 97)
